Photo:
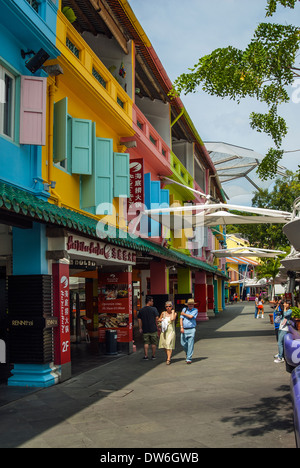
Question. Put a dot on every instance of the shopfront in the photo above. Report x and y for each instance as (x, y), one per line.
(99, 298)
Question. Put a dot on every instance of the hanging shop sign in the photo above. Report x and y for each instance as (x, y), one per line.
(99, 250)
(61, 310)
(115, 305)
(136, 168)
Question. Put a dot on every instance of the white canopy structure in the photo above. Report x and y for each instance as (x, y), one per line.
(235, 164)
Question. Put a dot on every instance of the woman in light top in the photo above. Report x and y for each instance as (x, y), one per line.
(168, 336)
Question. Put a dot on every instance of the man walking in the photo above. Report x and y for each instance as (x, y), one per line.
(147, 319)
(188, 329)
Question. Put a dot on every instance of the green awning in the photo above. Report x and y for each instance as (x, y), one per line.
(26, 204)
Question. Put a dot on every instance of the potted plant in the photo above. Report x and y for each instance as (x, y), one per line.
(296, 317)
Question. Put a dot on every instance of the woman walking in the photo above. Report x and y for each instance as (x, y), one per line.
(168, 336)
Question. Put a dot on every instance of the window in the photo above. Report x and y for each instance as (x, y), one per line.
(7, 102)
(34, 4)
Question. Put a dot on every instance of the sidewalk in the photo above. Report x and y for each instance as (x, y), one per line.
(232, 395)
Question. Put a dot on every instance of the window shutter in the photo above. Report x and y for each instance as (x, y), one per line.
(33, 110)
(60, 148)
(145, 220)
(81, 146)
(121, 175)
(104, 175)
(155, 228)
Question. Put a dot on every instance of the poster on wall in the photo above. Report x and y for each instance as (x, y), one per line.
(115, 305)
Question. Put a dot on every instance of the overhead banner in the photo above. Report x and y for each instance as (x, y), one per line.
(115, 305)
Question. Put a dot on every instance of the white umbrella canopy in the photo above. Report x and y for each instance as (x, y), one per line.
(224, 218)
(247, 252)
(183, 217)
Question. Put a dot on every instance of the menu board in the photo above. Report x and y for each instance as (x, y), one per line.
(115, 305)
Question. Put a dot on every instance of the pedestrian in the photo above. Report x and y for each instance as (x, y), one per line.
(283, 330)
(168, 336)
(260, 307)
(256, 305)
(147, 320)
(188, 329)
(277, 317)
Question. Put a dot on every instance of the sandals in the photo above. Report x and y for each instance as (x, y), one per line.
(168, 362)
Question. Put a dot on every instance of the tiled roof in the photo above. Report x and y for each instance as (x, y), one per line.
(26, 204)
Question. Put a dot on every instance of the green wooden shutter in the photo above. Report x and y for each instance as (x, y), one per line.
(121, 175)
(81, 146)
(60, 143)
(104, 175)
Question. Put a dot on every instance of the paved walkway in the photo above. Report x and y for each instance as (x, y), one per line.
(232, 395)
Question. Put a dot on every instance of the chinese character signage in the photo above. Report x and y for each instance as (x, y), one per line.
(115, 305)
(61, 310)
(93, 250)
(136, 200)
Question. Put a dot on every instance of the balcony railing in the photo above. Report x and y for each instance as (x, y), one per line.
(77, 52)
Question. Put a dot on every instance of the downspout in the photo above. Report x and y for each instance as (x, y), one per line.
(50, 142)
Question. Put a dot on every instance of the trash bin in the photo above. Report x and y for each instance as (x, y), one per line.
(111, 344)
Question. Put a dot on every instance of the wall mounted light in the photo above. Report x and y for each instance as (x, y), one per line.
(35, 62)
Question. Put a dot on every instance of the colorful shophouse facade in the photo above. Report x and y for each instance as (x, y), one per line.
(92, 129)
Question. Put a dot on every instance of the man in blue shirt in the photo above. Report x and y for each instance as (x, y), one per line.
(188, 329)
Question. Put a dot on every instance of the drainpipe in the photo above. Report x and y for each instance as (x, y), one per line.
(50, 142)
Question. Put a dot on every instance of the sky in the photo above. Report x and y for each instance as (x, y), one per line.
(183, 31)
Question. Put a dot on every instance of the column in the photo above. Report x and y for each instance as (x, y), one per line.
(159, 283)
(159, 277)
(61, 310)
(184, 277)
(30, 310)
(201, 296)
(210, 296)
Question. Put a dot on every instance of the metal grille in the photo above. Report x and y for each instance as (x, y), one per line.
(72, 47)
(99, 78)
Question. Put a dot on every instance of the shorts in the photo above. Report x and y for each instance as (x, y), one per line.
(151, 338)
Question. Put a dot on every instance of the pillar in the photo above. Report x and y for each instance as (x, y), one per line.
(61, 310)
(201, 296)
(210, 296)
(184, 278)
(159, 283)
(29, 310)
(159, 277)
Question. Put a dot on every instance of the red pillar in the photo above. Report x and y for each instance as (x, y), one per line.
(201, 296)
(61, 310)
(159, 277)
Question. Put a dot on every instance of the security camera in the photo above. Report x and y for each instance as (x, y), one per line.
(36, 61)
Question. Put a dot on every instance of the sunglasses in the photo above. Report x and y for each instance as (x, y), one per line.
(168, 306)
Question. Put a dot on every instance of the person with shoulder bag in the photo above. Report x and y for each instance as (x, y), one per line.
(188, 329)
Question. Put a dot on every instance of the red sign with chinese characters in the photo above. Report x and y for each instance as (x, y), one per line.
(115, 305)
(136, 167)
(61, 310)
